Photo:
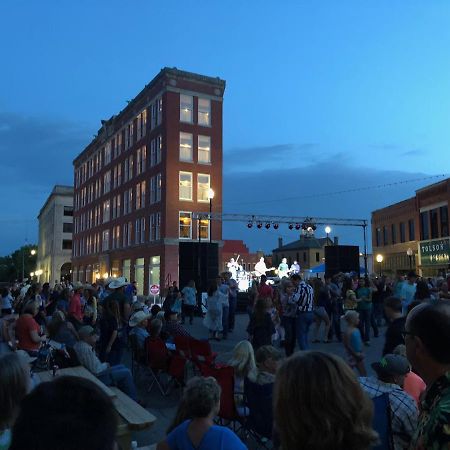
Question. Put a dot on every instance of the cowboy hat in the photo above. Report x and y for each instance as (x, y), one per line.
(77, 285)
(118, 283)
(137, 318)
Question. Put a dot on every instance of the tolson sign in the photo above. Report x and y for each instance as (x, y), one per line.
(435, 252)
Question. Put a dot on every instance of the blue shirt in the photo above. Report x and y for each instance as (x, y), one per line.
(189, 296)
(141, 335)
(216, 438)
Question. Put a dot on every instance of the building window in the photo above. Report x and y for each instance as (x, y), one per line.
(116, 207)
(203, 185)
(186, 147)
(117, 176)
(204, 229)
(159, 107)
(304, 257)
(424, 227)
(185, 225)
(130, 167)
(141, 160)
(141, 124)
(385, 236)
(204, 149)
(185, 186)
(68, 211)
(129, 134)
(106, 211)
(402, 232)
(125, 235)
(68, 227)
(186, 108)
(393, 234)
(434, 223)
(105, 240)
(158, 187)
(411, 230)
(137, 231)
(140, 195)
(116, 237)
(443, 212)
(378, 237)
(204, 111)
(107, 182)
(317, 257)
(127, 201)
(67, 244)
(107, 158)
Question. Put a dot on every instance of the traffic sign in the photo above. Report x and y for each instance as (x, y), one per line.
(154, 289)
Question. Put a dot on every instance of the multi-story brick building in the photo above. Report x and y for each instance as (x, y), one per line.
(414, 233)
(139, 181)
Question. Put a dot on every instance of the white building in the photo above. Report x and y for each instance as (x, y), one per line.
(55, 236)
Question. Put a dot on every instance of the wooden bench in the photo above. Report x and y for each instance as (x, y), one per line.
(133, 418)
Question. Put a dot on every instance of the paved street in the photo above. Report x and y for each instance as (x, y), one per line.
(164, 407)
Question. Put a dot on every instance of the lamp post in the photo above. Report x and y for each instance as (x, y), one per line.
(32, 253)
(410, 253)
(328, 231)
(380, 261)
(210, 197)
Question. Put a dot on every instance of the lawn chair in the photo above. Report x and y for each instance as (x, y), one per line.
(382, 422)
(182, 346)
(201, 353)
(138, 356)
(259, 422)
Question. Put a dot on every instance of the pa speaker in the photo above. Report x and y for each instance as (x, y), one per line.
(341, 258)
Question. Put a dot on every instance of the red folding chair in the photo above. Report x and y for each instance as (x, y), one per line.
(158, 358)
(201, 353)
(182, 346)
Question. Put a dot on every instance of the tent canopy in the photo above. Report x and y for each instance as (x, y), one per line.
(321, 269)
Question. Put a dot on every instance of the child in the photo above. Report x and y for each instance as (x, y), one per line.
(353, 343)
(274, 311)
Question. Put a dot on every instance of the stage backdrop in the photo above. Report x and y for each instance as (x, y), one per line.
(341, 258)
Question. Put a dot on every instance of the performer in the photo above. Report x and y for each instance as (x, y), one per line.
(261, 268)
(232, 268)
(283, 268)
(295, 268)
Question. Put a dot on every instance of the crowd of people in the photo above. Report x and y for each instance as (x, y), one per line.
(319, 400)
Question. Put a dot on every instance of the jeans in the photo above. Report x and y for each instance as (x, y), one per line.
(377, 314)
(232, 312)
(364, 323)
(225, 312)
(289, 324)
(304, 321)
(187, 310)
(119, 376)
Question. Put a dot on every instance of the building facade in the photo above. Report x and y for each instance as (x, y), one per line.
(138, 183)
(414, 233)
(233, 248)
(55, 236)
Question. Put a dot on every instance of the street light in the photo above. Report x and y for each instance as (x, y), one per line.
(210, 197)
(410, 253)
(33, 252)
(328, 231)
(380, 261)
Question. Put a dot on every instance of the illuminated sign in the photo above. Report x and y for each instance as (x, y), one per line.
(435, 252)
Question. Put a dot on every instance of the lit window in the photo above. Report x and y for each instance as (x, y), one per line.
(204, 229)
(203, 184)
(185, 147)
(186, 108)
(185, 228)
(106, 211)
(105, 240)
(204, 149)
(107, 158)
(107, 182)
(185, 186)
(159, 106)
(204, 111)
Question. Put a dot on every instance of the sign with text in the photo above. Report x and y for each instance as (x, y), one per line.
(435, 252)
(154, 289)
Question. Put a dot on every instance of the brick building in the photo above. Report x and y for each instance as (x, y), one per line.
(233, 248)
(414, 233)
(139, 181)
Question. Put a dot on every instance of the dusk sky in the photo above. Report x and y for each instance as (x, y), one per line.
(321, 97)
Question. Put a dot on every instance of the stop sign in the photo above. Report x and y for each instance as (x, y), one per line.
(154, 289)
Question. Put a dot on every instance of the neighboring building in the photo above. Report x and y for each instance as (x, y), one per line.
(139, 181)
(237, 248)
(55, 236)
(414, 233)
(308, 251)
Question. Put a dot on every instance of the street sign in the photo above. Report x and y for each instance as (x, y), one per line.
(154, 289)
(435, 252)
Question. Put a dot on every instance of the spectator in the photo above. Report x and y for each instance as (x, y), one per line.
(155, 329)
(90, 308)
(423, 293)
(323, 304)
(213, 316)
(202, 398)
(62, 331)
(267, 360)
(364, 308)
(232, 300)
(15, 384)
(68, 413)
(408, 291)
(264, 290)
(305, 315)
(222, 283)
(6, 302)
(261, 328)
(391, 371)
(154, 310)
(173, 327)
(312, 413)
(288, 319)
(116, 286)
(189, 302)
(335, 310)
(427, 337)
(28, 330)
(110, 375)
(111, 342)
(353, 342)
(393, 312)
(75, 306)
(139, 322)
(243, 362)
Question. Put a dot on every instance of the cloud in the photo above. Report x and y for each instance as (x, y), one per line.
(416, 152)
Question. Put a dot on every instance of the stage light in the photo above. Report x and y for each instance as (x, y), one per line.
(259, 225)
(314, 228)
(267, 225)
(291, 227)
(297, 226)
(250, 224)
(275, 226)
(304, 226)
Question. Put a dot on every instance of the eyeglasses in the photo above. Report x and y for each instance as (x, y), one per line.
(406, 333)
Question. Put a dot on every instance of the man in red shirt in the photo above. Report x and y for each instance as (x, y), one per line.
(75, 308)
(264, 290)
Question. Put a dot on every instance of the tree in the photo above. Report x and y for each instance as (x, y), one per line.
(20, 261)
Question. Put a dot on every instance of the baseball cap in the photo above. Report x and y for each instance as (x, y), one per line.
(391, 365)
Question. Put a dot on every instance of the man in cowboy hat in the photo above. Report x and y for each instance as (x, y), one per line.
(116, 286)
(138, 322)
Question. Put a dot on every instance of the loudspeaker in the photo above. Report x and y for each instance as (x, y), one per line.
(198, 261)
(341, 258)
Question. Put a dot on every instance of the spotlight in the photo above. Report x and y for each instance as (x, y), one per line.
(297, 226)
(314, 228)
(291, 227)
(250, 224)
(259, 225)
(267, 225)
(275, 226)
(304, 226)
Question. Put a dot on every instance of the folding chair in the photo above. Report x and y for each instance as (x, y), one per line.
(182, 346)
(138, 355)
(382, 422)
(158, 359)
(259, 422)
(201, 353)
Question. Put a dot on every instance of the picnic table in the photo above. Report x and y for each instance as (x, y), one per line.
(133, 417)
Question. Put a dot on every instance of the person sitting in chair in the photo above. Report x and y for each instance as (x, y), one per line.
(138, 322)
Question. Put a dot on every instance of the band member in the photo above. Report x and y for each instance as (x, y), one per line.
(233, 267)
(295, 268)
(283, 268)
(261, 268)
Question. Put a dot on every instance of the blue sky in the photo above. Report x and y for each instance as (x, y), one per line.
(321, 97)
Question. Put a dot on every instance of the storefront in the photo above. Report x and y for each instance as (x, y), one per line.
(434, 256)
